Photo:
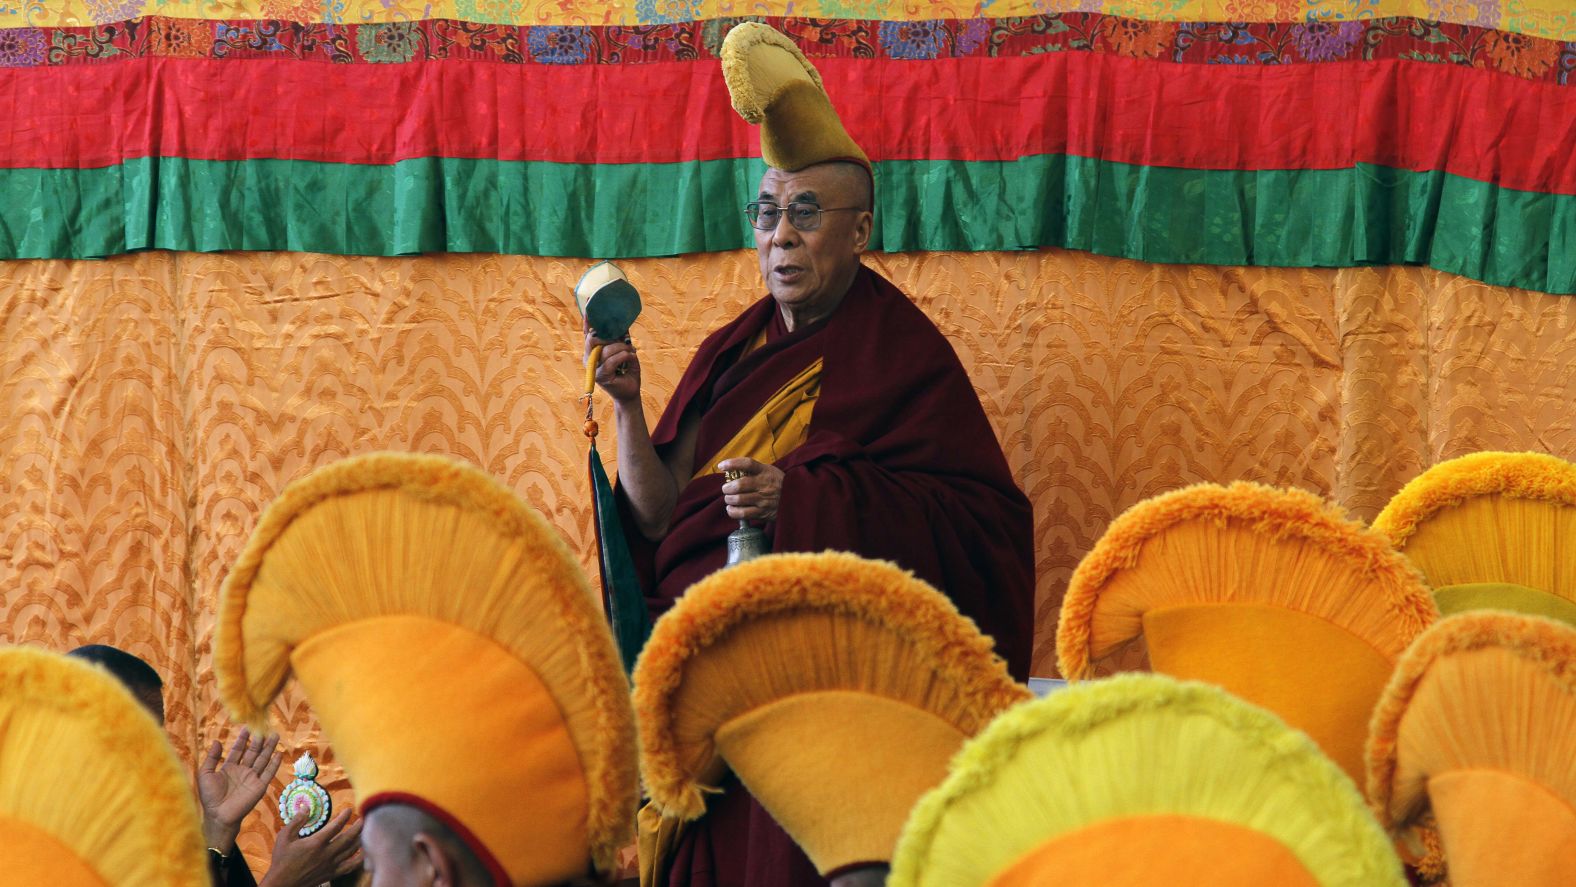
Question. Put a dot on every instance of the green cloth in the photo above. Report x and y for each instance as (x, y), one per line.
(1364, 215)
(622, 599)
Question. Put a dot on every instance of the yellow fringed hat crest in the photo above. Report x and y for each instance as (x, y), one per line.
(91, 794)
(1140, 780)
(836, 688)
(1272, 594)
(1472, 758)
(772, 83)
(453, 652)
(1491, 530)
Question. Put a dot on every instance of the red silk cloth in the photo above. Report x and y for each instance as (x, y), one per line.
(1480, 124)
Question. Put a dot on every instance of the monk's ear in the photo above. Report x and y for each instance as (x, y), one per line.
(431, 863)
(863, 225)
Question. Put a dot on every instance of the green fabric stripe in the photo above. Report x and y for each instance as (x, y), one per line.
(1367, 215)
(424, 205)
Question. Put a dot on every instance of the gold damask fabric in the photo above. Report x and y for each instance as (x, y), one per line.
(151, 404)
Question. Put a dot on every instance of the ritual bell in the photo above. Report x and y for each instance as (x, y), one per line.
(746, 543)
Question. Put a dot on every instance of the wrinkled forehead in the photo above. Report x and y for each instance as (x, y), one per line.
(824, 184)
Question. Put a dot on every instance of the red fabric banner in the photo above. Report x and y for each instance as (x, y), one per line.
(1479, 124)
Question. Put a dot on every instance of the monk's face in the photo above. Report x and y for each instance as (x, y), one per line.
(808, 272)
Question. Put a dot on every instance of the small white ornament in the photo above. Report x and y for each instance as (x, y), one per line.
(303, 793)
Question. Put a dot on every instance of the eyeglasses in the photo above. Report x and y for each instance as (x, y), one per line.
(765, 216)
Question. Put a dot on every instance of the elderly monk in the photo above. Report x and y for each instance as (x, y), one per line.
(842, 410)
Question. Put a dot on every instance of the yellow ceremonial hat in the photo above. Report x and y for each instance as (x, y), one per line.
(91, 794)
(1272, 594)
(1472, 759)
(836, 688)
(1143, 780)
(451, 648)
(773, 84)
(1491, 530)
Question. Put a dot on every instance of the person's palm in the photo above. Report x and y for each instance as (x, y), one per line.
(230, 789)
(330, 853)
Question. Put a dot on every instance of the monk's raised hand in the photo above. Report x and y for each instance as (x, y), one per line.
(618, 372)
(228, 788)
(755, 492)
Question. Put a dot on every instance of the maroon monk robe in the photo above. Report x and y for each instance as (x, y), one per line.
(899, 464)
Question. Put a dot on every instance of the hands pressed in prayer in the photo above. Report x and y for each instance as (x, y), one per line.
(331, 852)
(618, 373)
(755, 493)
(230, 789)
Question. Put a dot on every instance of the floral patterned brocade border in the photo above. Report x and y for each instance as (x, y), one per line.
(1319, 42)
(1545, 18)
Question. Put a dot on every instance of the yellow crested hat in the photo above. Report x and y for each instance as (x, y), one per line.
(451, 648)
(773, 84)
(1472, 758)
(1272, 594)
(91, 794)
(836, 688)
(1491, 530)
(1140, 780)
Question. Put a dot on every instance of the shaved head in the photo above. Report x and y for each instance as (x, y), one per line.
(853, 181)
(404, 846)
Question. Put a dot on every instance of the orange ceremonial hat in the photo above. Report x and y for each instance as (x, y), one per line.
(836, 688)
(1492, 530)
(453, 652)
(1272, 594)
(91, 794)
(1472, 759)
(773, 84)
(1143, 780)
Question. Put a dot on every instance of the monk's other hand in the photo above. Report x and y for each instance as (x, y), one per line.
(229, 788)
(331, 852)
(755, 493)
(618, 373)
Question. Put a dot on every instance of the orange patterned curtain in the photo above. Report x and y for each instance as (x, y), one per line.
(151, 404)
